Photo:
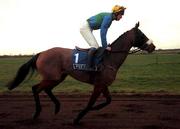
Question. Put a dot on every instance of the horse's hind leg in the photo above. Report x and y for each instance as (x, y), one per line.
(45, 84)
(54, 99)
(36, 90)
(48, 91)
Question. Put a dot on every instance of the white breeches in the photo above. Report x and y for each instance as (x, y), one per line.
(86, 32)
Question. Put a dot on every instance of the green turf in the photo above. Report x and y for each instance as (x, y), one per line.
(146, 73)
(138, 74)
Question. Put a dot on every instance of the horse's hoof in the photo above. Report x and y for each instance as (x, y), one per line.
(76, 122)
(57, 109)
(35, 115)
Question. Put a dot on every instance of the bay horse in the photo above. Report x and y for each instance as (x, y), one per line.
(55, 64)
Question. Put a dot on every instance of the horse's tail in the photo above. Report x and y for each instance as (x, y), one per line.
(23, 72)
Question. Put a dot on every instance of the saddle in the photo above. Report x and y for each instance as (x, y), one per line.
(82, 49)
(80, 59)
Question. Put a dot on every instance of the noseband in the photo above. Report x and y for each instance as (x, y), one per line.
(146, 44)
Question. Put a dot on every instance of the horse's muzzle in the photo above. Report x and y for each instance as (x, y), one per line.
(150, 48)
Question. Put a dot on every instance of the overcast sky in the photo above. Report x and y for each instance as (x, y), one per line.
(31, 26)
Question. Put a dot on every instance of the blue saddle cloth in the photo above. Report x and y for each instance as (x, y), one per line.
(80, 60)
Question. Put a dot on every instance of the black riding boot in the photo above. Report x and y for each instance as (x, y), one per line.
(90, 58)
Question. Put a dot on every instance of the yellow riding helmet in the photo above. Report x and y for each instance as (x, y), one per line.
(118, 8)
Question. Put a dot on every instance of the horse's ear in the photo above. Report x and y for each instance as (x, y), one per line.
(137, 25)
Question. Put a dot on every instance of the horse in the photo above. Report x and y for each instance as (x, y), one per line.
(55, 64)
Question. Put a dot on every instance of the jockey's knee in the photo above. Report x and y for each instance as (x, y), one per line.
(92, 50)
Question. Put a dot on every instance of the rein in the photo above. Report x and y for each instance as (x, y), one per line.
(135, 51)
(118, 51)
(127, 52)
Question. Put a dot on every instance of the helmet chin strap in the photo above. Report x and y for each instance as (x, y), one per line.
(114, 16)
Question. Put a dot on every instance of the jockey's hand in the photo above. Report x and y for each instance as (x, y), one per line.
(108, 48)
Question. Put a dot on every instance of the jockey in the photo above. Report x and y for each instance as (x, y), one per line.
(100, 21)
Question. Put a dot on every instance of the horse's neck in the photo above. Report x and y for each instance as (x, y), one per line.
(123, 44)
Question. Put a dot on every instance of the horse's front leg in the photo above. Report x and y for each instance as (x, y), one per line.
(107, 95)
(97, 91)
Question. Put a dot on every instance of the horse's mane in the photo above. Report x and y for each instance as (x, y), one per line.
(121, 38)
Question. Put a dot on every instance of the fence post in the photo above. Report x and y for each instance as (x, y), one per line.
(157, 60)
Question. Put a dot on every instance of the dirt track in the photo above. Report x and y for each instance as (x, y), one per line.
(125, 112)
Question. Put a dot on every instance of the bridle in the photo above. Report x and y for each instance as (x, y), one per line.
(142, 47)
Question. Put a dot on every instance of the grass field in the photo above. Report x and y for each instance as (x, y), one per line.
(139, 74)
